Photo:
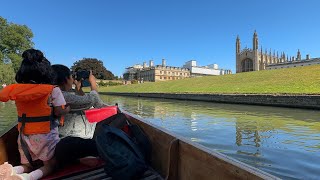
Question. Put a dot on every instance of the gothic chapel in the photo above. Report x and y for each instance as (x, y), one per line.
(255, 59)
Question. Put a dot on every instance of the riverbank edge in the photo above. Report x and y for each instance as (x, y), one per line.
(291, 101)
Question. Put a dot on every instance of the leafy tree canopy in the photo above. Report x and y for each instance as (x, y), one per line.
(14, 39)
(6, 74)
(99, 71)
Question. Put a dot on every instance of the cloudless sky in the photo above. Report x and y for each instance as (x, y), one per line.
(122, 33)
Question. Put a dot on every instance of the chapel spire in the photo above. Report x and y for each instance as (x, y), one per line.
(238, 45)
(255, 40)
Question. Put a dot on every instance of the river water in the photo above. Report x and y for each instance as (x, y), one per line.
(282, 141)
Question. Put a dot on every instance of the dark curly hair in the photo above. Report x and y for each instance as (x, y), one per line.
(35, 69)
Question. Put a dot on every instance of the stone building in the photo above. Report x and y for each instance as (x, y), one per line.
(131, 72)
(305, 62)
(255, 59)
(209, 70)
(155, 73)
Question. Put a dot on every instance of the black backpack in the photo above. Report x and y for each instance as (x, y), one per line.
(135, 133)
(124, 160)
(141, 140)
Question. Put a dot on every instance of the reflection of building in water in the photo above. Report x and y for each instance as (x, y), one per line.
(256, 60)
(159, 111)
(144, 110)
(172, 111)
(194, 121)
(250, 136)
(251, 131)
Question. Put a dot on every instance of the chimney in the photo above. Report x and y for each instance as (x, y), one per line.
(163, 62)
(222, 72)
(151, 63)
(308, 57)
(144, 64)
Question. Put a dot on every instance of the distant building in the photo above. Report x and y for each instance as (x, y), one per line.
(290, 64)
(163, 72)
(155, 73)
(131, 72)
(256, 60)
(209, 70)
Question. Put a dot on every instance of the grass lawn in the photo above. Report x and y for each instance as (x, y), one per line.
(298, 80)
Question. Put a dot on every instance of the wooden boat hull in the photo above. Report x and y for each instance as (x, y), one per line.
(173, 157)
(176, 157)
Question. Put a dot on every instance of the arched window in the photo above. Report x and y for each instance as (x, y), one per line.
(246, 65)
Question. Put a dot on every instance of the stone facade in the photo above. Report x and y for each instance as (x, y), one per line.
(154, 73)
(290, 64)
(255, 59)
(163, 73)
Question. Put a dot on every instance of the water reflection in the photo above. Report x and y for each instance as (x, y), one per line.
(282, 141)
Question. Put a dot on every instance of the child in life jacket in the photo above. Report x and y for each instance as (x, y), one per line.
(40, 106)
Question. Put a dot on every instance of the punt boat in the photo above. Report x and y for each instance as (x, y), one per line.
(173, 157)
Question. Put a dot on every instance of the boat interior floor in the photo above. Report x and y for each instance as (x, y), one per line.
(84, 172)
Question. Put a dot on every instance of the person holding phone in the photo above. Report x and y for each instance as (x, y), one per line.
(76, 124)
(83, 76)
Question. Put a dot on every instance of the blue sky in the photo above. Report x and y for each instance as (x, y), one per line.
(126, 32)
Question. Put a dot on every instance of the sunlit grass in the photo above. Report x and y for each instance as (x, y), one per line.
(299, 80)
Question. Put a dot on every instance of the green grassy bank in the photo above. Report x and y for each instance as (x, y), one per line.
(299, 80)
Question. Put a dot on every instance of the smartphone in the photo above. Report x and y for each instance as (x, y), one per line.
(85, 83)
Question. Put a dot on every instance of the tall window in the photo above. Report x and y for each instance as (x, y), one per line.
(246, 65)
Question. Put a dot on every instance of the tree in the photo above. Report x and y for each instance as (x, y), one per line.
(6, 73)
(14, 39)
(99, 71)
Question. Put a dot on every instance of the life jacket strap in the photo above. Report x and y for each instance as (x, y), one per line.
(24, 146)
(33, 119)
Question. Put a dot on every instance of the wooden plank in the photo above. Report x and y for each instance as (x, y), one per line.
(107, 178)
(100, 174)
(198, 163)
(86, 175)
(152, 177)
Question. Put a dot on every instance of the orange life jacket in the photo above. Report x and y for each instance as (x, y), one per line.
(35, 115)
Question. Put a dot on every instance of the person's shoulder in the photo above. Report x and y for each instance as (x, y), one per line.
(56, 89)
